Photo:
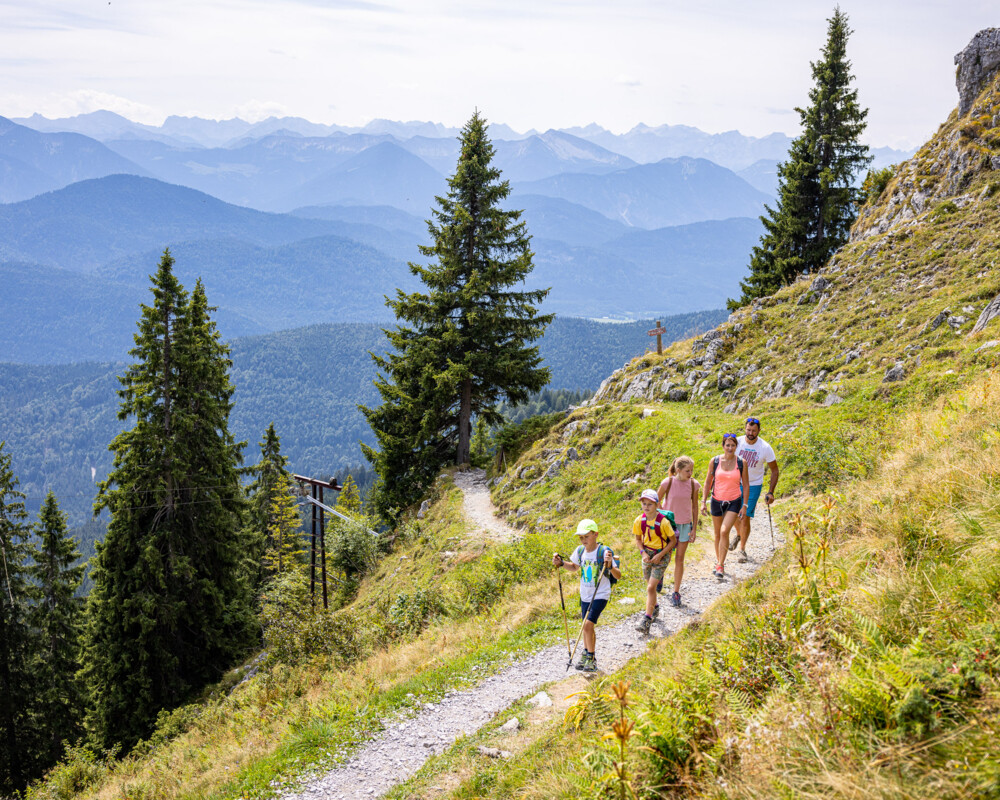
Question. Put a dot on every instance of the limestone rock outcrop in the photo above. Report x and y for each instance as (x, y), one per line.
(977, 64)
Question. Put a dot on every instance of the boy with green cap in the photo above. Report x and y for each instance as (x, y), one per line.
(590, 558)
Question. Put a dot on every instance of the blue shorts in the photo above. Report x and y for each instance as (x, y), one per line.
(753, 495)
(684, 531)
(595, 609)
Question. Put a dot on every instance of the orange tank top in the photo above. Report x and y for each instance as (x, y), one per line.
(727, 483)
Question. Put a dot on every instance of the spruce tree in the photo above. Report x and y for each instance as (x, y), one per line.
(170, 609)
(19, 758)
(464, 344)
(274, 522)
(349, 499)
(817, 196)
(57, 619)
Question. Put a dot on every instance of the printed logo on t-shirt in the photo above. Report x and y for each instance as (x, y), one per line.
(751, 457)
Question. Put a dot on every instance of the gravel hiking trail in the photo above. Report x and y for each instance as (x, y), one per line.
(398, 751)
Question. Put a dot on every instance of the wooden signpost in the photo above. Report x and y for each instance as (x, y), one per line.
(658, 332)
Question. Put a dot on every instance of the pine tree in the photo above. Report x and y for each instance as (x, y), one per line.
(19, 759)
(274, 521)
(170, 607)
(349, 499)
(57, 619)
(817, 196)
(467, 344)
(285, 546)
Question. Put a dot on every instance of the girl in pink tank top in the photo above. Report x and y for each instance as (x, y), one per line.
(679, 493)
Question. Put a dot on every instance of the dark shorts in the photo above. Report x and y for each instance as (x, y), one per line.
(720, 509)
(595, 609)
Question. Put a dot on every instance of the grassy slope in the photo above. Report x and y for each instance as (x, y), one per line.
(863, 663)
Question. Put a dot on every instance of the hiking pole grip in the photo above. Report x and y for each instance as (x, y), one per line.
(593, 597)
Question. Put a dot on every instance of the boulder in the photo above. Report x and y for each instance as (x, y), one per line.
(894, 373)
(992, 310)
(678, 394)
(424, 506)
(935, 323)
(977, 64)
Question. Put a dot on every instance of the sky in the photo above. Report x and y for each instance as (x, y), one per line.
(536, 64)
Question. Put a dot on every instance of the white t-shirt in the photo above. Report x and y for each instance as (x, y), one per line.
(589, 570)
(756, 456)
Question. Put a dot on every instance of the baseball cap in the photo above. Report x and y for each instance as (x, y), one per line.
(585, 527)
(650, 494)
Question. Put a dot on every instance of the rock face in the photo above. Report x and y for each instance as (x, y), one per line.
(992, 310)
(977, 63)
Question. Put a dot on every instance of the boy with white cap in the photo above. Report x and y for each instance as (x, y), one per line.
(590, 558)
(654, 536)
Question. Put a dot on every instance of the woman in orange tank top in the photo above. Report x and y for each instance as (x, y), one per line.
(727, 484)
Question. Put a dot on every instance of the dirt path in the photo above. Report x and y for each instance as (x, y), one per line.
(403, 747)
(478, 507)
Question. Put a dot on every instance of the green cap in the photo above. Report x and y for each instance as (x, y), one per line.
(585, 527)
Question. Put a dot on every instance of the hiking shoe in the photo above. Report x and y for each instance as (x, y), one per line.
(717, 571)
(656, 611)
(734, 539)
(582, 662)
(721, 574)
(590, 665)
(675, 600)
(741, 558)
(644, 623)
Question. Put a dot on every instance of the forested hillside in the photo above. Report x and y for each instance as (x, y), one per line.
(58, 420)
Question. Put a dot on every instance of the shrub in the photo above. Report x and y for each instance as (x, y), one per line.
(410, 613)
(484, 582)
(875, 182)
(352, 548)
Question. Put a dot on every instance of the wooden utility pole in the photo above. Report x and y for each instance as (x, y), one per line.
(658, 332)
(318, 526)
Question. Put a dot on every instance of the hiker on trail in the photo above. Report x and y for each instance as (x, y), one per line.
(678, 493)
(653, 531)
(756, 454)
(590, 558)
(727, 484)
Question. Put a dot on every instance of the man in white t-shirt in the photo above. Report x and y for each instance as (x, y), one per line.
(756, 454)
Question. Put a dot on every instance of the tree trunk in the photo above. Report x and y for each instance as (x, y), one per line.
(465, 424)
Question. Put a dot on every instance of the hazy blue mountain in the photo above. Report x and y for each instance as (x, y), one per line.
(674, 191)
(384, 174)
(762, 175)
(103, 126)
(36, 162)
(553, 153)
(387, 217)
(647, 144)
(58, 420)
(91, 222)
(682, 268)
(323, 279)
(555, 218)
(55, 316)
(256, 173)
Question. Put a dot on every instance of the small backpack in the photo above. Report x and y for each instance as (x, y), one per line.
(600, 558)
(657, 525)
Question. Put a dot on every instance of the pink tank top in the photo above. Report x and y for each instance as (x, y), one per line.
(727, 484)
(678, 500)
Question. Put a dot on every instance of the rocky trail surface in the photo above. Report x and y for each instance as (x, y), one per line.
(402, 748)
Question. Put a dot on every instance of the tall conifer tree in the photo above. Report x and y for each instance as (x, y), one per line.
(19, 757)
(57, 619)
(465, 343)
(274, 522)
(817, 198)
(169, 610)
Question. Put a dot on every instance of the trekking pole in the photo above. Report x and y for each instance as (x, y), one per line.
(562, 602)
(580, 634)
(771, 526)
